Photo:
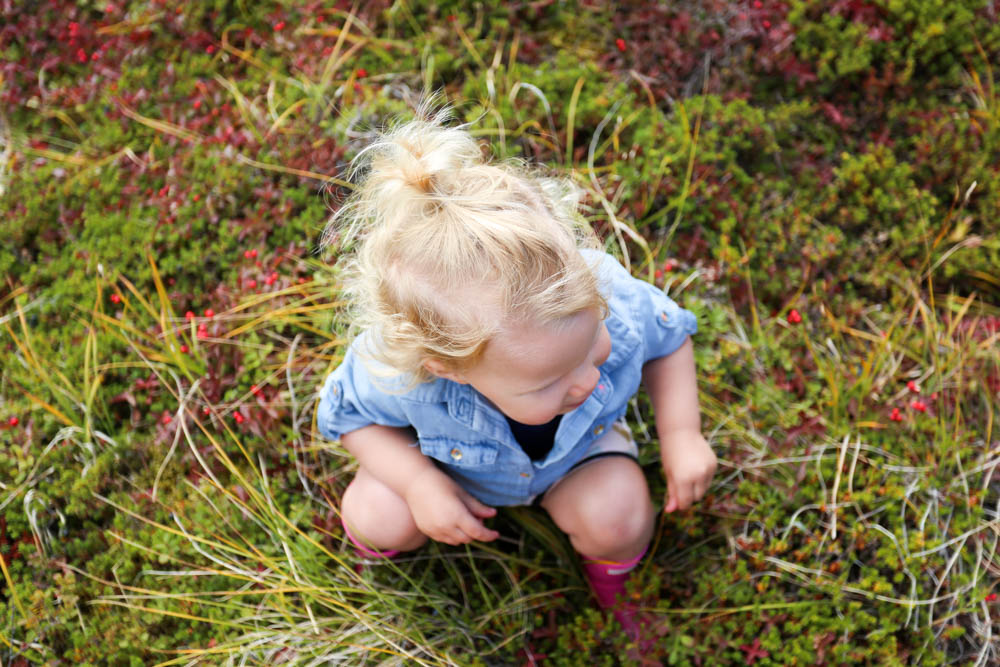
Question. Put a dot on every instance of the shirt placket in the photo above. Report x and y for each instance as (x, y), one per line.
(476, 413)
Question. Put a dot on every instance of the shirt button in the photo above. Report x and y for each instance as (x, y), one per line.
(524, 474)
(599, 429)
(456, 454)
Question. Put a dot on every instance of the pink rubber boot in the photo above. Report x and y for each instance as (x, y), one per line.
(607, 579)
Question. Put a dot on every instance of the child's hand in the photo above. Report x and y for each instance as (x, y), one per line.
(445, 512)
(689, 464)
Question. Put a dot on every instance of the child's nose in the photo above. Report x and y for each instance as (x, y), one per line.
(585, 384)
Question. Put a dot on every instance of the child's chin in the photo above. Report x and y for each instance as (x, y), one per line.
(538, 420)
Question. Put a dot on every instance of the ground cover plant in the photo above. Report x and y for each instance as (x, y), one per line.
(817, 181)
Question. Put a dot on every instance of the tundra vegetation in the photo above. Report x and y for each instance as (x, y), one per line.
(817, 181)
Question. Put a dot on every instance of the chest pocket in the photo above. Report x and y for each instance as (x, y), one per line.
(459, 454)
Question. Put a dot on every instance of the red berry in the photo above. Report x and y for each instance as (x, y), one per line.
(238, 417)
(197, 104)
(251, 283)
(895, 416)
(758, 4)
(669, 265)
(658, 274)
(115, 298)
(13, 421)
(209, 312)
(767, 24)
(279, 26)
(794, 317)
(166, 419)
(991, 597)
(620, 43)
(919, 406)
(912, 386)
(189, 315)
(362, 73)
(210, 49)
(255, 390)
(184, 349)
(206, 411)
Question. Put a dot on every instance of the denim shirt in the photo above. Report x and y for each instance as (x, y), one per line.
(470, 439)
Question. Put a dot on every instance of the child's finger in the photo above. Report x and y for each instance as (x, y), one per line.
(459, 536)
(477, 508)
(454, 535)
(685, 496)
(669, 502)
(670, 497)
(475, 529)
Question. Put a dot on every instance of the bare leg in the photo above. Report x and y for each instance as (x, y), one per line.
(604, 508)
(378, 517)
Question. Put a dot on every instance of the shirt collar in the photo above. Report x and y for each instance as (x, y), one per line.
(624, 341)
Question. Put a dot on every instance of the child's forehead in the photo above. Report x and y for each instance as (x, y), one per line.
(477, 301)
(522, 337)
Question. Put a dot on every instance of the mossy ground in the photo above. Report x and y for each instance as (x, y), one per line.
(817, 181)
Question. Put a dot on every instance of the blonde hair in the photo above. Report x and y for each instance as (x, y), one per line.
(451, 246)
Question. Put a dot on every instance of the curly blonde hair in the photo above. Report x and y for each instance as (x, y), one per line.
(450, 247)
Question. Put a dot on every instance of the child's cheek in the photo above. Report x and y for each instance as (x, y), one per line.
(606, 345)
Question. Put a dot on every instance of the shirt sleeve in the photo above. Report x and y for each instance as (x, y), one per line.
(350, 400)
(661, 323)
(664, 325)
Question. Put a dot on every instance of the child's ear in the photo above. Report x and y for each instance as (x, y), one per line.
(437, 368)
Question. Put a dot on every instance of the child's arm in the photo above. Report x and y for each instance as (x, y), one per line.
(441, 509)
(688, 461)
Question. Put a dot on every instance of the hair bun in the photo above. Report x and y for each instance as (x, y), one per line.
(418, 153)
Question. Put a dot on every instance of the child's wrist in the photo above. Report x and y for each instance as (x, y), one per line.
(419, 481)
(680, 438)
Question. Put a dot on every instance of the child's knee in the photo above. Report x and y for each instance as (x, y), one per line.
(377, 516)
(627, 527)
(626, 517)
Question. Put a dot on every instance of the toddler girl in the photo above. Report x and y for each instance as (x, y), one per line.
(498, 352)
